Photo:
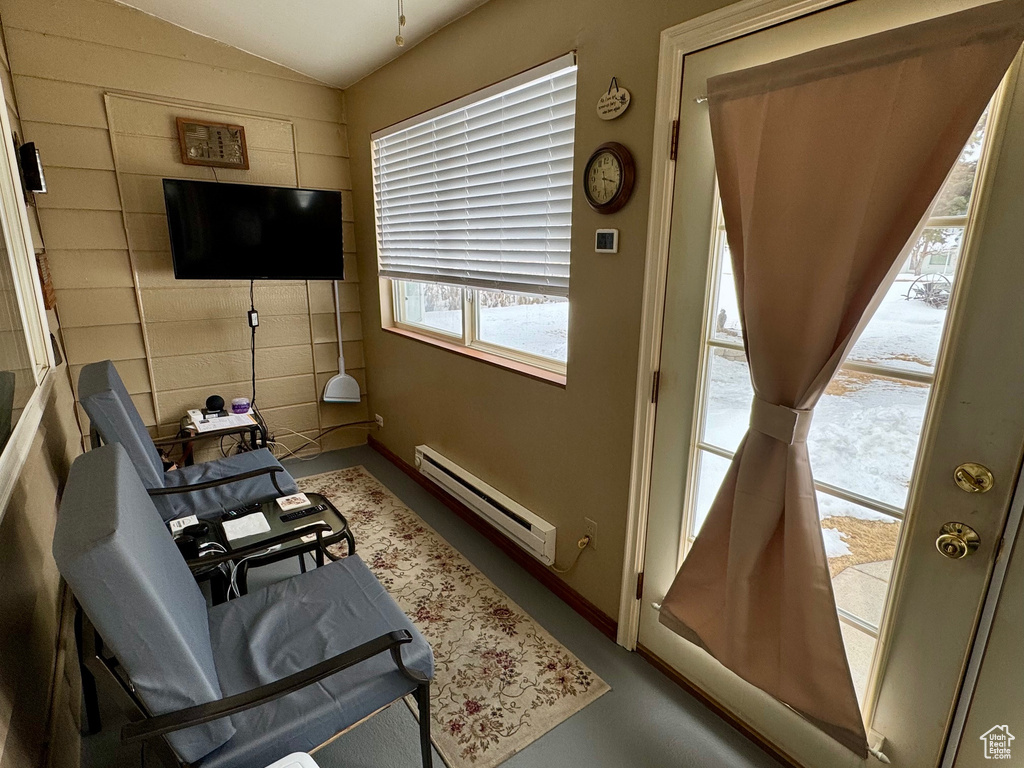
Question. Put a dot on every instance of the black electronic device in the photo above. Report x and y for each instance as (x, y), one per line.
(215, 406)
(251, 232)
(188, 546)
(300, 513)
(31, 168)
(248, 509)
(196, 529)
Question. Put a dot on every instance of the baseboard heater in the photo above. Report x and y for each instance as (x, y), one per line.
(526, 529)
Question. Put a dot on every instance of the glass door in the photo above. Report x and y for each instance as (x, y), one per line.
(924, 390)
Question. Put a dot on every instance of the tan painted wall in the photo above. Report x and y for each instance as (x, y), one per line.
(562, 452)
(176, 342)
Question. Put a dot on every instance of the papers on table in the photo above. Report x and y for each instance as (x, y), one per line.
(312, 536)
(295, 760)
(212, 423)
(250, 525)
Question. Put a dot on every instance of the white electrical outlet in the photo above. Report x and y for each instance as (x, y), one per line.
(590, 529)
(379, 419)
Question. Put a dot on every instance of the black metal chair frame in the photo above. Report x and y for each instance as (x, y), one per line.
(149, 729)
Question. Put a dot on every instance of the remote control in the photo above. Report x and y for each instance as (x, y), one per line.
(246, 510)
(303, 513)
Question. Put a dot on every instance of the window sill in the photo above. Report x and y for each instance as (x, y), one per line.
(530, 371)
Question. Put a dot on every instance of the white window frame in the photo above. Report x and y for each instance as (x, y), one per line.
(21, 255)
(469, 337)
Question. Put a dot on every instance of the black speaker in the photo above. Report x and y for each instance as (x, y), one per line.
(31, 168)
(214, 406)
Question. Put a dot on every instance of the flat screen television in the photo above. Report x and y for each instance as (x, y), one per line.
(249, 232)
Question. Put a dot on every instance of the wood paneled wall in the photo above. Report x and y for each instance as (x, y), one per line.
(98, 87)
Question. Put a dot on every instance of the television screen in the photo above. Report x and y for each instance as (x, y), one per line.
(248, 232)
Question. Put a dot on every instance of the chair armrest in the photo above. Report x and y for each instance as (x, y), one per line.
(272, 471)
(319, 528)
(214, 710)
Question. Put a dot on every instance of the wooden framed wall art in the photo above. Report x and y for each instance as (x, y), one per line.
(218, 145)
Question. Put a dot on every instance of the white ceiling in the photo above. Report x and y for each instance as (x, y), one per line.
(336, 41)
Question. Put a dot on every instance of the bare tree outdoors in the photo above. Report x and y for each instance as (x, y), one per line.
(953, 201)
(956, 194)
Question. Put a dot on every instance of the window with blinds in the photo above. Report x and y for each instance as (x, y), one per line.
(473, 209)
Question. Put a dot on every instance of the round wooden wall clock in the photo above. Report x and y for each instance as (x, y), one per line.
(608, 177)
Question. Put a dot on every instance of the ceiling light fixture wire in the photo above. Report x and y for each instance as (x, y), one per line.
(399, 40)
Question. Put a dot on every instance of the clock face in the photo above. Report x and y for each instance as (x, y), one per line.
(604, 178)
(608, 177)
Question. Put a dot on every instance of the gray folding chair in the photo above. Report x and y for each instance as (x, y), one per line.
(206, 490)
(283, 669)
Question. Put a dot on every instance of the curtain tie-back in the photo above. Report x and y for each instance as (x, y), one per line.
(787, 425)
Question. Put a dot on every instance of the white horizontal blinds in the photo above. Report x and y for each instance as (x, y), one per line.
(479, 193)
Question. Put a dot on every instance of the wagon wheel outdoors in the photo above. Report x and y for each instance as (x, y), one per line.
(932, 288)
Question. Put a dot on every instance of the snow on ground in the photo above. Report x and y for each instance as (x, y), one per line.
(863, 436)
(834, 544)
(902, 334)
(541, 329)
(444, 319)
(865, 440)
(865, 431)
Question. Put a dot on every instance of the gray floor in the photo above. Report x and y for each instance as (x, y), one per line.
(645, 720)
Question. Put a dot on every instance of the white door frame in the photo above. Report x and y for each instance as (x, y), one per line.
(720, 26)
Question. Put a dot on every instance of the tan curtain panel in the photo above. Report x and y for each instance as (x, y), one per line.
(827, 163)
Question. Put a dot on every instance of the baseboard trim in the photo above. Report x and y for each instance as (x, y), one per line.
(604, 623)
(704, 698)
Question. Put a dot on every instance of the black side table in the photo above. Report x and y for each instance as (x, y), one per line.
(208, 565)
(250, 551)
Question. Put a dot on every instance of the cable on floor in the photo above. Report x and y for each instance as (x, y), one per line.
(314, 440)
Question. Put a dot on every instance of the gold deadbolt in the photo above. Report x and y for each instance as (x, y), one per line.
(956, 541)
(974, 478)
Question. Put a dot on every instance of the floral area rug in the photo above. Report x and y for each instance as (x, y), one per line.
(501, 680)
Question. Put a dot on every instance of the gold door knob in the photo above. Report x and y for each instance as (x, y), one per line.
(974, 478)
(956, 541)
